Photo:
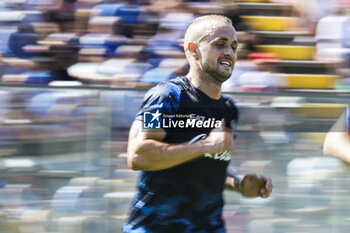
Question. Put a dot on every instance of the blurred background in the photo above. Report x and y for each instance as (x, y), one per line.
(74, 72)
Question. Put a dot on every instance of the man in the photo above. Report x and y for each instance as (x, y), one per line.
(337, 141)
(184, 161)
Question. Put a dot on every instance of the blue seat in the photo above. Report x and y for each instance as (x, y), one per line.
(4, 38)
(93, 40)
(38, 77)
(33, 16)
(107, 9)
(129, 14)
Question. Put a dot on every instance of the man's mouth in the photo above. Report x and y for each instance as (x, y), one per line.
(226, 63)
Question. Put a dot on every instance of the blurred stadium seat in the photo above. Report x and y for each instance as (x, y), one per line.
(288, 52)
(270, 23)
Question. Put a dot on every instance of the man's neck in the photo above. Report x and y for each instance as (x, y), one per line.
(205, 84)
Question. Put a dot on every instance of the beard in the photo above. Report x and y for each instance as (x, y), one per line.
(215, 73)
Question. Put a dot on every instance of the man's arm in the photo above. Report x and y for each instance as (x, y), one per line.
(233, 183)
(147, 152)
(337, 142)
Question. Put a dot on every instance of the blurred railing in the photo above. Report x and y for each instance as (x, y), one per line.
(63, 160)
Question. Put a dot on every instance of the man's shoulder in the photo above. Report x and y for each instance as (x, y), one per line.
(170, 88)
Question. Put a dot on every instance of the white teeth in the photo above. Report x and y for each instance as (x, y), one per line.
(226, 63)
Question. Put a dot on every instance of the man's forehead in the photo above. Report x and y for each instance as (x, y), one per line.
(215, 31)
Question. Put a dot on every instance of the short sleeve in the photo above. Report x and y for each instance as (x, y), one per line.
(163, 99)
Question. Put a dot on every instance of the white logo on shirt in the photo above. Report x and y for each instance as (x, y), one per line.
(223, 156)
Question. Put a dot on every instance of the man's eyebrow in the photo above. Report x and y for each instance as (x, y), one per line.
(221, 38)
(235, 42)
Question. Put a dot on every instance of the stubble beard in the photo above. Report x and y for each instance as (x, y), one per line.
(215, 73)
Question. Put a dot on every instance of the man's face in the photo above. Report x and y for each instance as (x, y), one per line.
(217, 52)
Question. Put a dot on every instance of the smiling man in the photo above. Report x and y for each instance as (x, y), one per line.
(183, 139)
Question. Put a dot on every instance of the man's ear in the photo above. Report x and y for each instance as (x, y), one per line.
(192, 48)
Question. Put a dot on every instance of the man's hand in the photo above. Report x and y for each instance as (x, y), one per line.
(220, 139)
(255, 186)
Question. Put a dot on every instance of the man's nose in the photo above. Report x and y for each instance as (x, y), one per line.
(230, 52)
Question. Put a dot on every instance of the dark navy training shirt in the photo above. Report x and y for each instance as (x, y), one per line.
(187, 197)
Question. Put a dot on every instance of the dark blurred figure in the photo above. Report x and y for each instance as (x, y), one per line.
(63, 14)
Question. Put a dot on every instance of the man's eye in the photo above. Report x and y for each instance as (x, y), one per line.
(220, 45)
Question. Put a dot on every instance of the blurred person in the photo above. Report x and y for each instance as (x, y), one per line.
(184, 169)
(334, 46)
(168, 38)
(337, 142)
(312, 11)
(18, 40)
(62, 13)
